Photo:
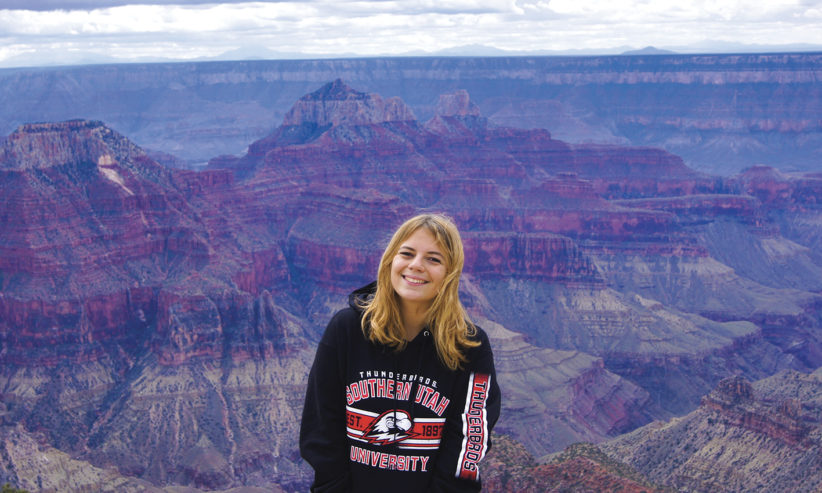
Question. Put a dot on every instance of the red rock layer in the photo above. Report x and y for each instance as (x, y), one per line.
(543, 256)
(735, 403)
(580, 468)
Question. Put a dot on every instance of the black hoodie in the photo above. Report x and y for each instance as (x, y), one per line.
(376, 419)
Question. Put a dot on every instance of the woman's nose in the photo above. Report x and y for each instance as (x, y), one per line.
(416, 263)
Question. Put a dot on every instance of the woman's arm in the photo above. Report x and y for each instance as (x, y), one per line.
(323, 442)
(466, 435)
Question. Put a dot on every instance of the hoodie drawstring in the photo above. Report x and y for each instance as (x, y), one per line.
(426, 334)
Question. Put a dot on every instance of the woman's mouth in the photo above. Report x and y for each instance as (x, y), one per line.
(414, 280)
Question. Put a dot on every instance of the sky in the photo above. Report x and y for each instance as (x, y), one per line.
(44, 32)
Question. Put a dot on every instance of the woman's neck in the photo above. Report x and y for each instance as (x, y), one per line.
(413, 320)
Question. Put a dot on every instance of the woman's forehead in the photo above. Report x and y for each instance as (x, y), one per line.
(422, 237)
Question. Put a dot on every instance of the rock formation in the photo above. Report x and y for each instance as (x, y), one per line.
(120, 305)
(337, 104)
(764, 436)
(579, 468)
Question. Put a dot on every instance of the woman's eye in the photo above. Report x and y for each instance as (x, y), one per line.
(406, 254)
(435, 260)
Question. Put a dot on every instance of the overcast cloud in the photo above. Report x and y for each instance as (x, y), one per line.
(34, 32)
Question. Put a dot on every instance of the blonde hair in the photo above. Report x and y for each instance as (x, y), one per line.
(446, 318)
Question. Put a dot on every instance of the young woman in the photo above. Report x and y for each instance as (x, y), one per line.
(402, 395)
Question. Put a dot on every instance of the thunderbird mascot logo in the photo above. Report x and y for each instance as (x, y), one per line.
(389, 427)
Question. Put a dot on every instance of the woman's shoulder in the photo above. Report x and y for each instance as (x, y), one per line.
(343, 324)
(478, 335)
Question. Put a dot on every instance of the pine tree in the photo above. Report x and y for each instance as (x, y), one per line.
(7, 488)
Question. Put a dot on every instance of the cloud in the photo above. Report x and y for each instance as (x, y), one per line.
(187, 29)
(46, 5)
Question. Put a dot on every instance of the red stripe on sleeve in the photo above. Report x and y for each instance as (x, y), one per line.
(474, 427)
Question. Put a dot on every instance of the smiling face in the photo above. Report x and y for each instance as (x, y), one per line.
(418, 270)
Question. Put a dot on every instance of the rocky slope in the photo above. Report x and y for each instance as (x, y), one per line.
(172, 315)
(579, 468)
(32, 465)
(554, 398)
(764, 436)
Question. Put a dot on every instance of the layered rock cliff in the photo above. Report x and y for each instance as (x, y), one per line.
(764, 436)
(580, 468)
(555, 398)
(122, 324)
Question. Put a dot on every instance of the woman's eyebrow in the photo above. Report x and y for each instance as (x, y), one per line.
(431, 252)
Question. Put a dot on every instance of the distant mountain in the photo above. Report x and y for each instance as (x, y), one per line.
(719, 46)
(649, 50)
(256, 52)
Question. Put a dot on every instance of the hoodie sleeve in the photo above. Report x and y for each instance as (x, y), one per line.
(466, 435)
(322, 430)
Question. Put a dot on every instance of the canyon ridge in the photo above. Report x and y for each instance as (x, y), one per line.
(720, 113)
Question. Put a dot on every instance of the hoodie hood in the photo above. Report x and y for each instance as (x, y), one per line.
(362, 296)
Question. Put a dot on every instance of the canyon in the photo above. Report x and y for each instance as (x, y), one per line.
(721, 113)
(157, 324)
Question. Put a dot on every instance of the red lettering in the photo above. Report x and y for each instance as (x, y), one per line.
(427, 391)
(473, 448)
(353, 420)
(432, 402)
(443, 404)
(403, 390)
(387, 461)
